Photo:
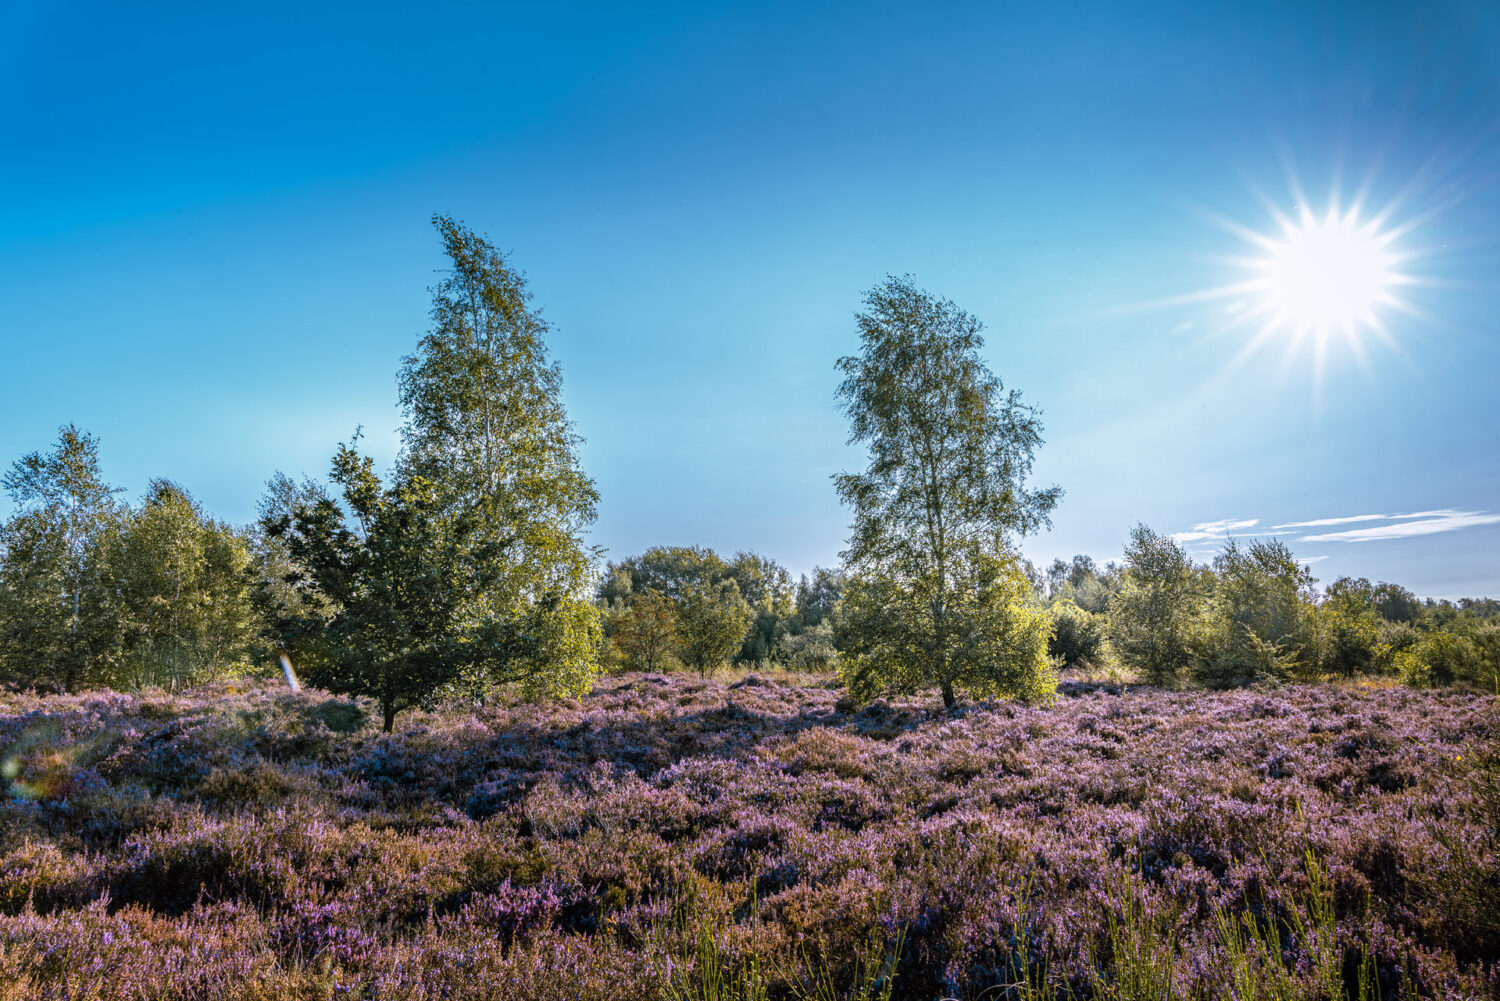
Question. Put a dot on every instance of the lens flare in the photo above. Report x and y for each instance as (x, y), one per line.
(1328, 273)
(1323, 277)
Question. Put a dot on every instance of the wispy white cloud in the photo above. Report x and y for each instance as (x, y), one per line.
(1321, 522)
(1409, 525)
(1310, 560)
(1350, 519)
(1215, 529)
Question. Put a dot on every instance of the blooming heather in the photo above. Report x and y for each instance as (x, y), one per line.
(263, 844)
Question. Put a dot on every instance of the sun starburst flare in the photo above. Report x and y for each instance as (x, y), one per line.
(1328, 273)
(1316, 278)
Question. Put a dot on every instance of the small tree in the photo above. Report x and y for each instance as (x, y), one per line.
(995, 638)
(487, 428)
(664, 569)
(58, 623)
(1349, 627)
(711, 623)
(1157, 619)
(291, 608)
(935, 594)
(395, 581)
(183, 584)
(647, 629)
(1266, 626)
(812, 649)
(818, 598)
(1077, 635)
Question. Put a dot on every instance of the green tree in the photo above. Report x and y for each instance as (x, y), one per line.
(486, 427)
(1157, 619)
(767, 587)
(1077, 635)
(1266, 619)
(711, 623)
(1396, 604)
(1082, 583)
(183, 589)
(58, 622)
(291, 608)
(646, 630)
(667, 570)
(811, 649)
(818, 598)
(391, 575)
(1350, 627)
(933, 596)
(994, 639)
(764, 584)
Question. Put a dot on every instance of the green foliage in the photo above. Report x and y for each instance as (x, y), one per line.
(1463, 653)
(668, 570)
(1078, 636)
(812, 649)
(183, 590)
(95, 592)
(395, 581)
(1396, 604)
(645, 629)
(1158, 620)
(58, 618)
(711, 623)
(818, 597)
(764, 585)
(1486, 669)
(290, 606)
(1350, 627)
(1265, 629)
(763, 582)
(934, 595)
(1081, 582)
(487, 431)
(993, 637)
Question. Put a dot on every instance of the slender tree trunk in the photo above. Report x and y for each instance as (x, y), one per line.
(389, 709)
(948, 698)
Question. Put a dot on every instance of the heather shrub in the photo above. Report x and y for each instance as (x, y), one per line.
(1471, 878)
(666, 836)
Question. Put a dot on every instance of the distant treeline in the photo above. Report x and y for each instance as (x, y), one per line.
(466, 569)
(1252, 615)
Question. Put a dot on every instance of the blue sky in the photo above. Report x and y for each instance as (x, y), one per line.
(214, 247)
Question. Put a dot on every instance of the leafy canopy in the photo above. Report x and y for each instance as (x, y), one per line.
(711, 623)
(487, 430)
(1159, 619)
(58, 625)
(935, 594)
(391, 571)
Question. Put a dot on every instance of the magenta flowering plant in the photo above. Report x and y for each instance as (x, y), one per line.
(232, 844)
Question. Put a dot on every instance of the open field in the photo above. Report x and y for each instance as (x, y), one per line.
(663, 832)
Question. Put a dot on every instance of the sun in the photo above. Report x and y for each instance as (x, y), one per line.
(1326, 273)
(1324, 277)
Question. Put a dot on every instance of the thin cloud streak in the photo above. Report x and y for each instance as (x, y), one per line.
(1214, 529)
(1444, 521)
(1349, 519)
